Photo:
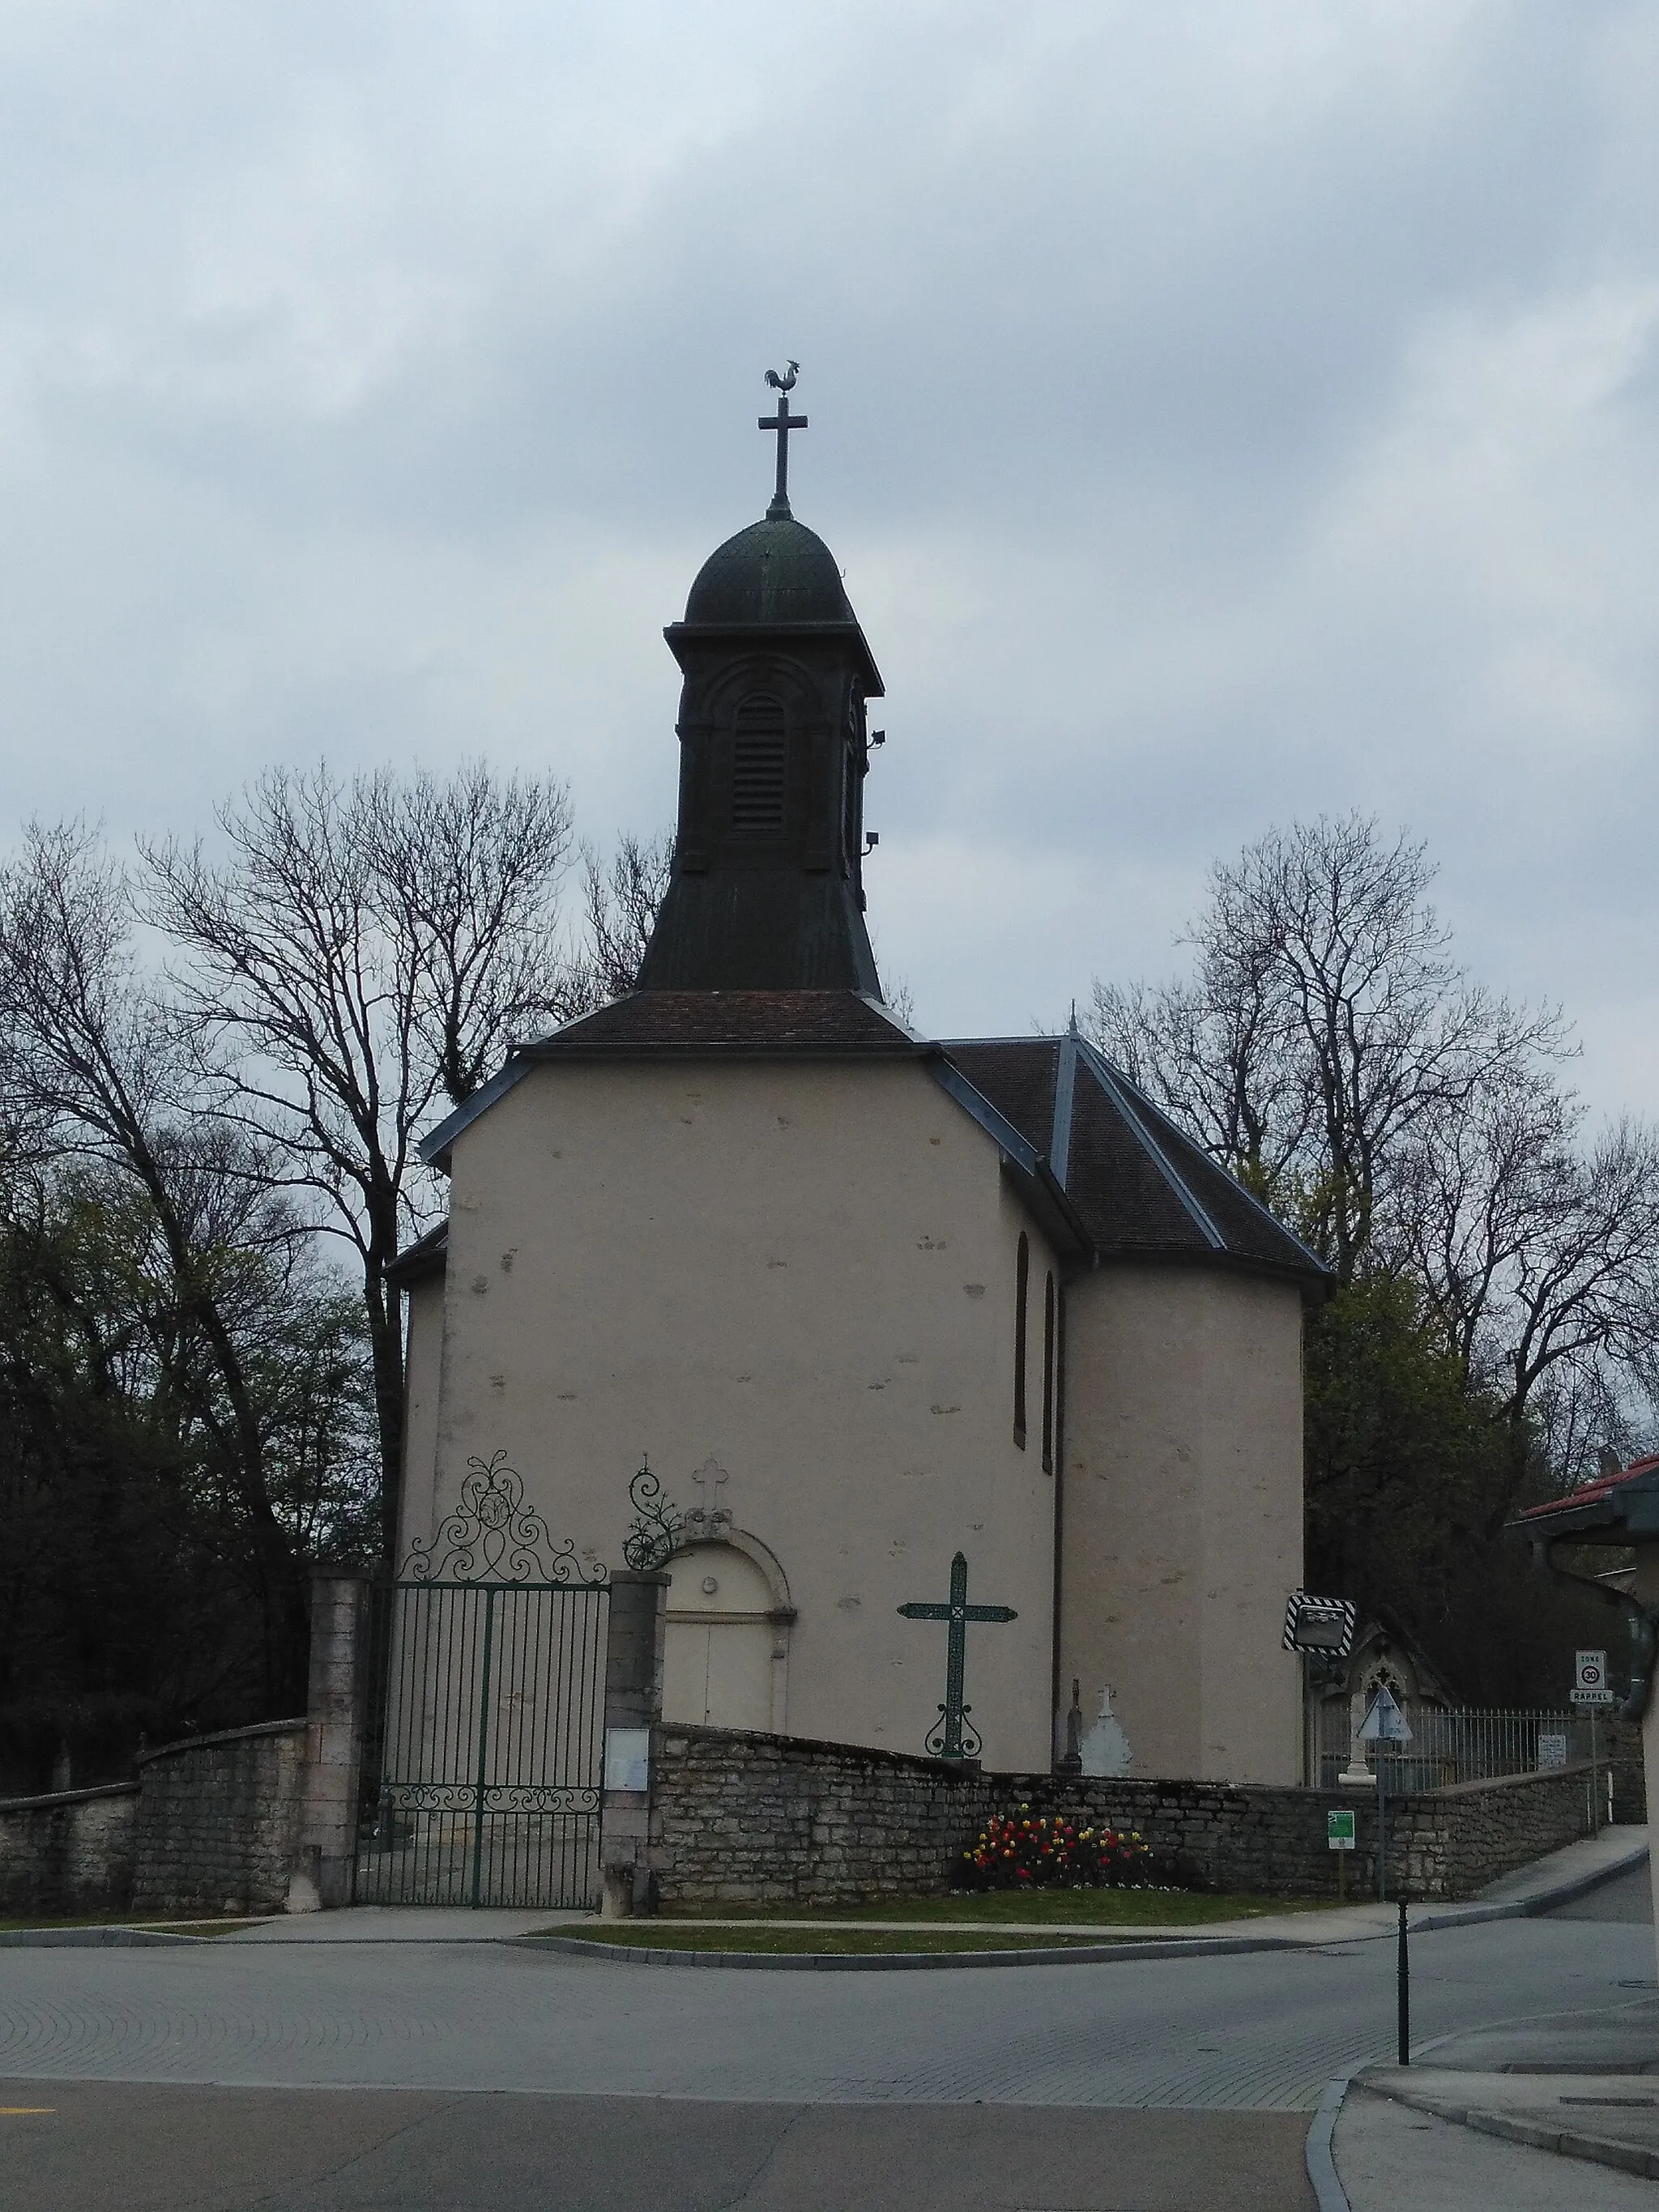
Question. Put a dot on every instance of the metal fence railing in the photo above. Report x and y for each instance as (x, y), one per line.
(1459, 1743)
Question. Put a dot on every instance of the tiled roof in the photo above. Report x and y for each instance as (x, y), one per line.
(1604, 1511)
(1138, 1184)
(791, 1021)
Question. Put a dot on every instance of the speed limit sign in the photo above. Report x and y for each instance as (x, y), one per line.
(1589, 1685)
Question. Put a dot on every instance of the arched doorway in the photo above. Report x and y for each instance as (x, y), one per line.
(726, 1647)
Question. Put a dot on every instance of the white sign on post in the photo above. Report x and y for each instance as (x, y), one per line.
(1385, 1722)
(627, 1758)
(1590, 1679)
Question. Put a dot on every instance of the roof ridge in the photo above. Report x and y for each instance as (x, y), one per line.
(1125, 1099)
(880, 1006)
(1059, 1131)
(1031, 1036)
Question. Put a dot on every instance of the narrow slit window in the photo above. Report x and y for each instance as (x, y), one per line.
(758, 754)
(1048, 1375)
(1022, 1286)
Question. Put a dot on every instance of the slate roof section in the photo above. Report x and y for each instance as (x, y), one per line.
(776, 571)
(1139, 1185)
(427, 1256)
(1109, 1174)
(735, 1021)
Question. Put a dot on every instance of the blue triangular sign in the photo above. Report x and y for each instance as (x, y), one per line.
(1385, 1722)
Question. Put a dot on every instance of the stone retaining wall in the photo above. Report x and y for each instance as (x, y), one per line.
(755, 1819)
(71, 1852)
(218, 1822)
(752, 1819)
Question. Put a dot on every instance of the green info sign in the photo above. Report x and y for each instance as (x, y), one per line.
(1338, 1831)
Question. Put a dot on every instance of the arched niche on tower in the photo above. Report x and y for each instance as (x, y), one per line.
(765, 765)
(725, 1658)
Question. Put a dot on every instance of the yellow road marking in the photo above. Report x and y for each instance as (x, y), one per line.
(20, 2112)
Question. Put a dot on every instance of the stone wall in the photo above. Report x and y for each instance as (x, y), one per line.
(1622, 1750)
(751, 1819)
(1441, 1844)
(69, 1852)
(218, 1822)
(740, 1819)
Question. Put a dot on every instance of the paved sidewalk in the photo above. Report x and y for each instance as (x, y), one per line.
(1584, 2085)
(1393, 2159)
(406, 1923)
(1520, 2116)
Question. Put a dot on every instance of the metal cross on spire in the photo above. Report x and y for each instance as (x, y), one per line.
(781, 424)
(956, 1739)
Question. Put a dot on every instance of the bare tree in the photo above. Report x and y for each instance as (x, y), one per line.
(1326, 1023)
(1217, 1054)
(357, 961)
(620, 904)
(93, 1055)
(1539, 1259)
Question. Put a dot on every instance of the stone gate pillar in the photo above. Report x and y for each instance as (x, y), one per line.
(633, 1704)
(335, 1700)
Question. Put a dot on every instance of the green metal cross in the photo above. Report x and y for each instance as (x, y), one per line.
(782, 423)
(957, 1739)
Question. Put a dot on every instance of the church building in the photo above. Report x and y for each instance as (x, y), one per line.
(867, 1301)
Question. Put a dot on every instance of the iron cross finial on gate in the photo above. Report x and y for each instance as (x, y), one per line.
(781, 424)
(956, 1739)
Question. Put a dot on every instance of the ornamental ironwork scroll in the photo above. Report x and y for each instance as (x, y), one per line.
(656, 1526)
(493, 1536)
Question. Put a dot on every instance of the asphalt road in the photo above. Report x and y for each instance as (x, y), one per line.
(440, 2078)
(125, 2148)
(1627, 1897)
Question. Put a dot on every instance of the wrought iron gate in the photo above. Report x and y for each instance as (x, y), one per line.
(484, 1760)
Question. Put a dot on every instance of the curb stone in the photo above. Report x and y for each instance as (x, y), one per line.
(1566, 2141)
(1079, 1954)
(1321, 2155)
(78, 1938)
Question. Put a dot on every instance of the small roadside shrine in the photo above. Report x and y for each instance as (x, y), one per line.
(1619, 1512)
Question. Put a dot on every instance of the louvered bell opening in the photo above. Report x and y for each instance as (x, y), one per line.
(757, 760)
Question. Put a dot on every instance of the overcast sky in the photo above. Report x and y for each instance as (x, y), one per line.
(1222, 411)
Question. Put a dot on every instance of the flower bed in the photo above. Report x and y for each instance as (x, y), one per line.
(1023, 1850)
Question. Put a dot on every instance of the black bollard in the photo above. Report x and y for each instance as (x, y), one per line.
(1404, 1979)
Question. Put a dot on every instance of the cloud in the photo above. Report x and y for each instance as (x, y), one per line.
(1221, 415)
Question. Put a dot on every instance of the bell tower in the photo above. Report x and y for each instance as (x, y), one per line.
(767, 892)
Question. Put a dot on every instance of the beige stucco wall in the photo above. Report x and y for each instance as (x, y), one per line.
(1182, 1516)
(807, 1271)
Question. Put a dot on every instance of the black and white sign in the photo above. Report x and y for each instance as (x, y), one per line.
(1324, 1624)
(1589, 1683)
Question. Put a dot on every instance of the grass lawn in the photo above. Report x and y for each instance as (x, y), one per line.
(1094, 1908)
(770, 1936)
